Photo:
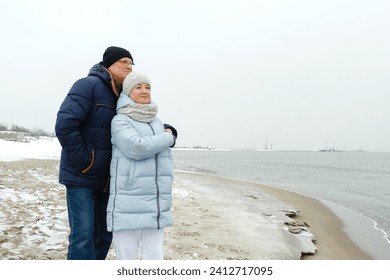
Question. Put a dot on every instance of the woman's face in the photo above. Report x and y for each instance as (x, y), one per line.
(141, 94)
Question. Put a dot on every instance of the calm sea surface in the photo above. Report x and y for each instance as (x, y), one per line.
(355, 185)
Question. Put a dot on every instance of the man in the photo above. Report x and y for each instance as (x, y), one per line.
(83, 129)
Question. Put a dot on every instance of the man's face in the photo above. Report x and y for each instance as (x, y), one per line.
(120, 68)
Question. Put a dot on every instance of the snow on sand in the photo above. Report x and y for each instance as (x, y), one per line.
(214, 218)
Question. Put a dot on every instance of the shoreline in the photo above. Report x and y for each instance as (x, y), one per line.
(332, 242)
(330, 239)
(363, 231)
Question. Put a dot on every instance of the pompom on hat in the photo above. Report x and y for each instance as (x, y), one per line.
(113, 54)
(132, 79)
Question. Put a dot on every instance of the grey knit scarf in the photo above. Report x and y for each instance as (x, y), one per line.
(140, 112)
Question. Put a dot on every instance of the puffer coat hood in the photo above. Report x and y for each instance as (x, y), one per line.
(141, 173)
(123, 101)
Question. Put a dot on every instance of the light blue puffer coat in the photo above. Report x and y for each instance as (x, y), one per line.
(141, 174)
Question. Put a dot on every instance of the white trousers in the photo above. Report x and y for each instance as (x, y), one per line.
(127, 242)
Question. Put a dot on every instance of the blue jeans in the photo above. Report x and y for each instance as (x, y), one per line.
(89, 238)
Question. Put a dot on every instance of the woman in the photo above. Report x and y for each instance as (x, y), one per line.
(139, 206)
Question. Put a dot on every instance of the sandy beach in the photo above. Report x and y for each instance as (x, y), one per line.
(214, 219)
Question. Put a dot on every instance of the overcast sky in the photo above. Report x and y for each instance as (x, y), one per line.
(229, 74)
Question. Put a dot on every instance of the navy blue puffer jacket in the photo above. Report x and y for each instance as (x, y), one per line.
(83, 129)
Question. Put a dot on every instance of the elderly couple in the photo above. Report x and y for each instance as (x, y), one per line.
(116, 163)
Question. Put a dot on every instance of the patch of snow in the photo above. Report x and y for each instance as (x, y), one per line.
(43, 148)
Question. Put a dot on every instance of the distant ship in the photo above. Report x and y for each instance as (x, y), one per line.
(267, 146)
(329, 149)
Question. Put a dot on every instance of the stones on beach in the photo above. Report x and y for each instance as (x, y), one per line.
(267, 214)
(251, 196)
(296, 226)
(301, 232)
(307, 239)
(290, 213)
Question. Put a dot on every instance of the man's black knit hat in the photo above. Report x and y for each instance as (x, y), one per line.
(112, 54)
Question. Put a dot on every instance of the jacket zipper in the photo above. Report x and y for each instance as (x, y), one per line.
(157, 188)
(114, 200)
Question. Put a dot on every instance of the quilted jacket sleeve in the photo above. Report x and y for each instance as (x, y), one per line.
(136, 145)
(73, 112)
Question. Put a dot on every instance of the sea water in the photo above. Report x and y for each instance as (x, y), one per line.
(354, 185)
